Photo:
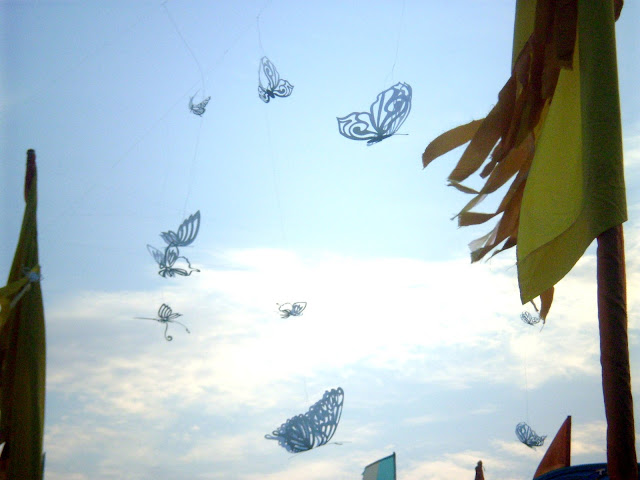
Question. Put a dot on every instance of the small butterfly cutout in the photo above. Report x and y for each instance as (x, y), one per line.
(529, 319)
(386, 115)
(527, 436)
(271, 85)
(185, 235)
(198, 108)
(291, 310)
(166, 316)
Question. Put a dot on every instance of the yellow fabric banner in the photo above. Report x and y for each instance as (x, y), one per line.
(22, 350)
(575, 187)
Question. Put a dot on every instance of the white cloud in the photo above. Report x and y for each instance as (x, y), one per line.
(460, 465)
(244, 370)
(589, 438)
(632, 147)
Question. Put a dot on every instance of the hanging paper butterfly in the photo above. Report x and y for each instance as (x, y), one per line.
(166, 316)
(271, 85)
(167, 260)
(527, 436)
(314, 428)
(529, 319)
(385, 117)
(291, 310)
(198, 108)
(185, 235)
(187, 232)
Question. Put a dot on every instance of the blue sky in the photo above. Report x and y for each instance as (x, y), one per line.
(429, 349)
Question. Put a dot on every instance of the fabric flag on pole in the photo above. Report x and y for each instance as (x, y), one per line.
(555, 131)
(22, 351)
(558, 455)
(383, 469)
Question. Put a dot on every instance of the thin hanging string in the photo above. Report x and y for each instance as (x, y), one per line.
(272, 157)
(175, 26)
(395, 60)
(526, 379)
(273, 166)
(192, 169)
(39, 91)
(72, 206)
(264, 6)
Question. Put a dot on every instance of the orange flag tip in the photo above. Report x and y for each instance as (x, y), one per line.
(558, 455)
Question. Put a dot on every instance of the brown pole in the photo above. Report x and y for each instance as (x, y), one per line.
(614, 356)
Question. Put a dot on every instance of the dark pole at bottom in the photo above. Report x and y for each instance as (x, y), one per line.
(614, 356)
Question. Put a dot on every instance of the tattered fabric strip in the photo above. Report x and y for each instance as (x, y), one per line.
(504, 142)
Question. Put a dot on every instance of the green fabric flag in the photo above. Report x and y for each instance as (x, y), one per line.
(383, 469)
(575, 189)
(22, 351)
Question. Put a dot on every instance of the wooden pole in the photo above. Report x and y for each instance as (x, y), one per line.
(614, 356)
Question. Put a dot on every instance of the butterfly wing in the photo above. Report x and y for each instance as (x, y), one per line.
(198, 108)
(283, 89)
(391, 109)
(527, 436)
(270, 83)
(297, 308)
(529, 319)
(325, 415)
(165, 313)
(357, 126)
(189, 229)
(157, 255)
(268, 75)
(295, 435)
(186, 233)
(285, 310)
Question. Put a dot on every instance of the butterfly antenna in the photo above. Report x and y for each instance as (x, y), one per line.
(168, 338)
(180, 323)
(189, 264)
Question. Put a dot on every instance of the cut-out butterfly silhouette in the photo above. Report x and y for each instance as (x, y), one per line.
(271, 85)
(166, 316)
(314, 428)
(186, 234)
(386, 115)
(527, 436)
(167, 260)
(291, 310)
(198, 108)
(529, 319)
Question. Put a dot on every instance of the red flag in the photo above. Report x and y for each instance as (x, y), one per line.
(559, 452)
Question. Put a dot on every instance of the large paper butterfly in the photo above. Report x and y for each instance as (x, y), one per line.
(166, 316)
(271, 85)
(186, 234)
(167, 260)
(314, 428)
(527, 436)
(198, 108)
(291, 310)
(385, 117)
